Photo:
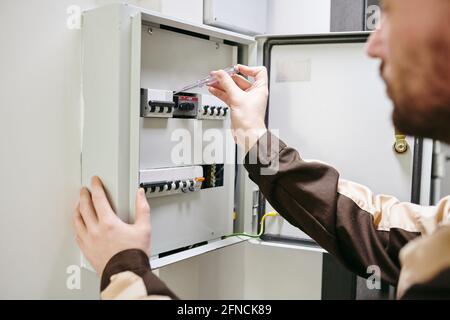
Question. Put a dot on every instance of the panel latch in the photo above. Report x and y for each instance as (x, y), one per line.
(401, 144)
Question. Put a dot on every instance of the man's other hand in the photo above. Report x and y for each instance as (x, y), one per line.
(101, 234)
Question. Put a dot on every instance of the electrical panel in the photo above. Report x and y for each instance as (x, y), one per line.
(186, 158)
(176, 174)
(139, 132)
(170, 181)
(179, 180)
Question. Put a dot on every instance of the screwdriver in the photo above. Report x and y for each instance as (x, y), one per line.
(208, 81)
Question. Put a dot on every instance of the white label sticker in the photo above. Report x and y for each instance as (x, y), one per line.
(293, 71)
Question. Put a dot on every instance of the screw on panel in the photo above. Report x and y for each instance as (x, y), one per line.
(401, 146)
(150, 31)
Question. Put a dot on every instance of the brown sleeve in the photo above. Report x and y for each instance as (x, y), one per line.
(346, 219)
(136, 261)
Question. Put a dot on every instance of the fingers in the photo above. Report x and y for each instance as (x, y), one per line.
(242, 83)
(100, 200)
(87, 210)
(78, 223)
(259, 73)
(225, 81)
(219, 94)
(142, 208)
(216, 85)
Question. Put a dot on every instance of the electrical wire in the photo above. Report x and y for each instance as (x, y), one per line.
(261, 230)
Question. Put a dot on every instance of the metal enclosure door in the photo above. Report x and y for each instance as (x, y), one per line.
(328, 102)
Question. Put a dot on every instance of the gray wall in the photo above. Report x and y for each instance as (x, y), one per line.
(298, 16)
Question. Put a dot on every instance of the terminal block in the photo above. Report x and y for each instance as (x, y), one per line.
(171, 181)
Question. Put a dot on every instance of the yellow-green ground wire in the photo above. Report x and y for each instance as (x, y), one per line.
(261, 227)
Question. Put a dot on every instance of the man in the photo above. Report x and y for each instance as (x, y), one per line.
(410, 243)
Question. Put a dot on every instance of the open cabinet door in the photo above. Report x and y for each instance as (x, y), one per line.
(327, 101)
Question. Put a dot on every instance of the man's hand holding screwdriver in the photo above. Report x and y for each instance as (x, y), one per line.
(247, 101)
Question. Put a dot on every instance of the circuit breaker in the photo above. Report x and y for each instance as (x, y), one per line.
(163, 104)
(156, 104)
(180, 180)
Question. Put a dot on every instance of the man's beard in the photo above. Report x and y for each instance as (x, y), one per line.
(432, 124)
(410, 118)
(401, 118)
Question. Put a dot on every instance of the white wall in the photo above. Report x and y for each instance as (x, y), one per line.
(40, 81)
(40, 139)
(298, 16)
(190, 10)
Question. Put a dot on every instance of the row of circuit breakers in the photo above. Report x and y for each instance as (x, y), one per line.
(179, 180)
(164, 104)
